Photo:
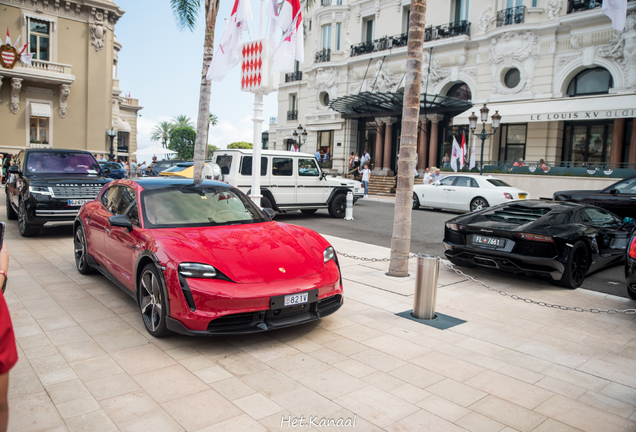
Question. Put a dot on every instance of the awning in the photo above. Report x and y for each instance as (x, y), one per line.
(40, 110)
(390, 103)
(566, 109)
(122, 126)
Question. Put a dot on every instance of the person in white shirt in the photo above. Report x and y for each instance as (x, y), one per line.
(427, 176)
(437, 175)
(366, 175)
(317, 155)
(367, 157)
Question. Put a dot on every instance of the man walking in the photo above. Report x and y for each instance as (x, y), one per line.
(133, 168)
(366, 175)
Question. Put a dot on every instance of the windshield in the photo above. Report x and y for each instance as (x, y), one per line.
(498, 183)
(62, 163)
(192, 206)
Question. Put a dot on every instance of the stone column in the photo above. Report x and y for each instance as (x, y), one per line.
(632, 146)
(377, 158)
(422, 150)
(618, 136)
(388, 142)
(432, 154)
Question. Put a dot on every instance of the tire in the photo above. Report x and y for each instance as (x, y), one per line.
(309, 211)
(478, 203)
(26, 230)
(338, 206)
(81, 252)
(416, 201)
(266, 203)
(152, 302)
(576, 267)
(631, 292)
(11, 215)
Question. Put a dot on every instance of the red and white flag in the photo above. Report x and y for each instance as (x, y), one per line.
(272, 13)
(472, 154)
(228, 53)
(463, 156)
(616, 10)
(291, 46)
(26, 57)
(8, 37)
(455, 154)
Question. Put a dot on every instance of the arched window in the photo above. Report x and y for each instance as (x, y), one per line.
(460, 91)
(590, 82)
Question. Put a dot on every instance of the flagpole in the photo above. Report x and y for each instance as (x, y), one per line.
(255, 194)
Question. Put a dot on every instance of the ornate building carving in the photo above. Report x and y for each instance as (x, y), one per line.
(98, 33)
(513, 50)
(623, 50)
(16, 85)
(381, 80)
(65, 91)
(326, 80)
(552, 8)
(486, 19)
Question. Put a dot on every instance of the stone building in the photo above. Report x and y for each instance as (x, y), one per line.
(69, 96)
(562, 79)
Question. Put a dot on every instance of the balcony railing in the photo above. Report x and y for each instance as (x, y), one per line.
(329, 2)
(273, 120)
(324, 55)
(122, 149)
(430, 33)
(292, 115)
(293, 76)
(513, 15)
(559, 168)
(583, 5)
(130, 101)
(47, 66)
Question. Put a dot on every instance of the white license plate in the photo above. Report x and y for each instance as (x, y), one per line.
(294, 299)
(75, 203)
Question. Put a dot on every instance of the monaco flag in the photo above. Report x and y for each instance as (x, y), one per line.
(463, 157)
(455, 155)
(228, 53)
(291, 46)
(472, 154)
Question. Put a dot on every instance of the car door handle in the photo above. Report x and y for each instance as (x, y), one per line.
(301, 186)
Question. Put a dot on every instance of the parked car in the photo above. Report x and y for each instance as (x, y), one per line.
(619, 198)
(465, 192)
(117, 170)
(49, 186)
(211, 171)
(560, 240)
(630, 266)
(290, 181)
(158, 166)
(204, 259)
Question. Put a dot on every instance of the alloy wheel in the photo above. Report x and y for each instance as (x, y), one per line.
(478, 204)
(150, 301)
(80, 249)
(579, 265)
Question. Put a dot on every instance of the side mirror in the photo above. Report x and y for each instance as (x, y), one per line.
(614, 191)
(122, 221)
(269, 212)
(323, 175)
(106, 171)
(437, 183)
(13, 169)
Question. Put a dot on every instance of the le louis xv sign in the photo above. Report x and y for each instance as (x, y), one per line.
(584, 115)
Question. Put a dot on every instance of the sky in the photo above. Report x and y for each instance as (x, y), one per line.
(161, 66)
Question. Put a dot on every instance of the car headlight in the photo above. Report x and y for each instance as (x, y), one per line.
(452, 226)
(329, 254)
(196, 270)
(41, 190)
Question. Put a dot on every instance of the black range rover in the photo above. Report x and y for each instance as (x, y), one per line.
(49, 185)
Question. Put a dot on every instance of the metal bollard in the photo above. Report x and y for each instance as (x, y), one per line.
(426, 287)
(349, 209)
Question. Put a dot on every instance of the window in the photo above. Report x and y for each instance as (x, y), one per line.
(110, 199)
(292, 102)
(325, 147)
(498, 183)
(464, 182)
(512, 78)
(122, 141)
(625, 187)
(597, 217)
(513, 3)
(282, 167)
(460, 10)
(460, 91)
(591, 82)
(369, 31)
(296, 66)
(246, 166)
(326, 36)
(225, 162)
(39, 130)
(587, 142)
(128, 205)
(448, 181)
(39, 39)
(406, 20)
(338, 28)
(308, 168)
(512, 146)
(324, 99)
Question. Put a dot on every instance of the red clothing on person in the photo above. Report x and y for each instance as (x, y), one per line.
(8, 350)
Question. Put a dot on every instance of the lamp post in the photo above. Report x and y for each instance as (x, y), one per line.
(112, 133)
(472, 120)
(300, 135)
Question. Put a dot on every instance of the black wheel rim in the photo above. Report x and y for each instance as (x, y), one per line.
(579, 265)
(414, 200)
(80, 249)
(479, 204)
(22, 218)
(340, 206)
(150, 301)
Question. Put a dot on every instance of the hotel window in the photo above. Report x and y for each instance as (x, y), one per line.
(40, 124)
(591, 82)
(406, 20)
(292, 102)
(512, 146)
(368, 30)
(338, 28)
(325, 147)
(513, 3)
(460, 91)
(460, 12)
(39, 39)
(326, 36)
(588, 142)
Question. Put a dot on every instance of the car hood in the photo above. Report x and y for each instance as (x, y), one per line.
(73, 178)
(577, 192)
(251, 253)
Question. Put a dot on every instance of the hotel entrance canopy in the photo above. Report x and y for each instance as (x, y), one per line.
(566, 109)
(365, 104)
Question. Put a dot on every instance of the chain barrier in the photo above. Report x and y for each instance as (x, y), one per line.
(497, 290)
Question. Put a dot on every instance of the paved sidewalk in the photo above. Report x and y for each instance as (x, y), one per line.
(87, 363)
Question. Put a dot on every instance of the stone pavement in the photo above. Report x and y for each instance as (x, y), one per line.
(87, 363)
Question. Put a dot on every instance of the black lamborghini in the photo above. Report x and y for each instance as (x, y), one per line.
(560, 240)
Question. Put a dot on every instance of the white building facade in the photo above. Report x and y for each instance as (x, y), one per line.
(562, 79)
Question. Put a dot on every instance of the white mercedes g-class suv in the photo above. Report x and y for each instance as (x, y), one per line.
(289, 181)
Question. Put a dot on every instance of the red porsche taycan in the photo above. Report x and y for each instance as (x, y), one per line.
(202, 259)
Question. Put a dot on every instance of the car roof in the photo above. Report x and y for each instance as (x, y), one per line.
(165, 182)
(50, 150)
(264, 152)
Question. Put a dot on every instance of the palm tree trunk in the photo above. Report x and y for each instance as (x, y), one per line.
(200, 144)
(401, 239)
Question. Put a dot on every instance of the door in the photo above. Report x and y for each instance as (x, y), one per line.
(98, 225)
(611, 240)
(311, 188)
(437, 195)
(619, 198)
(245, 172)
(283, 181)
(462, 192)
(123, 246)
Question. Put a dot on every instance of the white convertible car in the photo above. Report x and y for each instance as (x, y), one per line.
(466, 192)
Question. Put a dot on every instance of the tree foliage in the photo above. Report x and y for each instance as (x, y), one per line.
(211, 150)
(240, 145)
(161, 132)
(182, 141)
(182, 121)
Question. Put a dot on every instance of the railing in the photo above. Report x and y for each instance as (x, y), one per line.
(430, 33)
(130, 101)
(513, 15)
(292, 115)
(293, 76)
(583, 5)
(325, 2)
(47, 66)
(122, 149)
(558, 168)
(273, 120)
(324, 55)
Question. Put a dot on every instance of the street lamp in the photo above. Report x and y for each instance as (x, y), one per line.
(300, 135)
(112, 133)
(472, 120)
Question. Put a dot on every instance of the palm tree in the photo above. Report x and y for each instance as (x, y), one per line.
(186, 12)
(213, 121)
(161, 132)
(401, 239)
(182, 121)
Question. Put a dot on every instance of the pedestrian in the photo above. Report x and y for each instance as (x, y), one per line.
(102, 158)
(356, 161)
(126, 167)
(367, 157)
(366, 175)
(351, 161)
(8, 349)
(446, 161)
(427, 176)
(142, 168)
(317, 155)
(325, 158)
(438, 175)
(519, 163)
(133, 168)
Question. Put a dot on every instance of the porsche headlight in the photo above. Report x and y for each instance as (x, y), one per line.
(329, 254)
(41, 190)
(196, 270)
